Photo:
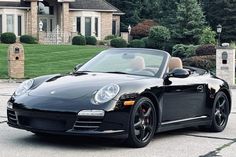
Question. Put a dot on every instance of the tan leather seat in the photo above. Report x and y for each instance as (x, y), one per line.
(138, 63)
(175, 63)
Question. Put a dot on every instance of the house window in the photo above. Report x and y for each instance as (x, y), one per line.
(114, 29)
(10, 23)
(96, 26)
(88, 27)
(51, 24)
(19, 25)
(45, 9)
(78, 28)
(0, 24)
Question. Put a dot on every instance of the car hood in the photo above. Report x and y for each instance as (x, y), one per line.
(77, 86)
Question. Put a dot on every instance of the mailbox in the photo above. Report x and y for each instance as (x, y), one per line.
(224, 57)
(16, 59)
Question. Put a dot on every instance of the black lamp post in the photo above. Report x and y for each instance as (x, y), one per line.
(219, 30)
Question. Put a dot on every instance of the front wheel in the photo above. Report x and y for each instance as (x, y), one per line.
(221, 112)
(142, 123)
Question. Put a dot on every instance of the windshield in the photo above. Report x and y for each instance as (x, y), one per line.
(143, 62)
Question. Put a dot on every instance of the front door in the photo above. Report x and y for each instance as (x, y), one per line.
(184, 99)
(49, 23)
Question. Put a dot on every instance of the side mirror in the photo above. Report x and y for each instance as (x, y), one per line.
(77, 67)
(179, 73)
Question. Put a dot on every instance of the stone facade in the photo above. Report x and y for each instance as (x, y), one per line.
(106, 24)
(225, 64)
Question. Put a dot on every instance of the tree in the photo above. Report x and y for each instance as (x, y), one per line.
(190, 22)
(167, 13)
(222, 12)
(135, 11)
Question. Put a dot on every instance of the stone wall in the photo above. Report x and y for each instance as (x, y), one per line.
(106, 24)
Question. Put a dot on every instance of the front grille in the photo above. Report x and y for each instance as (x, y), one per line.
(85, 124)
(11, 115)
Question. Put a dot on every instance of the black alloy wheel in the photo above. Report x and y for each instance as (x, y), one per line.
(221, 112)
(142, 123)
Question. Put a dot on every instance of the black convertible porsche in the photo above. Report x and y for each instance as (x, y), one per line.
(124, 93)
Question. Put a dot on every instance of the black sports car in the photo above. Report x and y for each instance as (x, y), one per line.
(125, 93)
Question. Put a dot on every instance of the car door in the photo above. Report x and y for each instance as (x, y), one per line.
(184, 99)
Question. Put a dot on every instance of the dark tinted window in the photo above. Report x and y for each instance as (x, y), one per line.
(96, 26)
(114, 27)
(19, 25)
(0, 24)
(78, 25)
(88, 22)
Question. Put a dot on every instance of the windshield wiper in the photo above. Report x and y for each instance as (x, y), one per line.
(116, 72)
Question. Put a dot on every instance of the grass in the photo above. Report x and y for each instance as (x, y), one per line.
(49, 59)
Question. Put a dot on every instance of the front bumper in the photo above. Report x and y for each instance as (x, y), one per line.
(113, 124)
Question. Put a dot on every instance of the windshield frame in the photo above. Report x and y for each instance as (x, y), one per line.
(159, 74)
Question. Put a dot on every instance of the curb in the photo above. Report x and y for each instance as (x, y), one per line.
(11, 80)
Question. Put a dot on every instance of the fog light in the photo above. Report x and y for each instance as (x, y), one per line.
(92, 113)
(9, 105)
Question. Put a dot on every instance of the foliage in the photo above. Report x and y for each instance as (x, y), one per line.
(204, 50)
(142, 29)
(135, 11)
(184, 51)
(49, 59)
(8, 38)
(204, 62)
(79, 40)
(28, 39)
(208, 36)
(137, 43)
(189, 22)
(109, 37)
(222, 12)
(91, 40)
(118, 43)
(158, 36)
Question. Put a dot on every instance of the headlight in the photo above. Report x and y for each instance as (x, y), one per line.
(107, 93)
(24, 87)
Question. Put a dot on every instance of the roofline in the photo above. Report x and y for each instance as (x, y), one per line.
(118, 13)
(9, 7)
(101, 10)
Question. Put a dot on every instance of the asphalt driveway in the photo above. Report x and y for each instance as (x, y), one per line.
(180, 143)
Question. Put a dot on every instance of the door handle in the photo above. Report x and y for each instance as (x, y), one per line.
(200, 88)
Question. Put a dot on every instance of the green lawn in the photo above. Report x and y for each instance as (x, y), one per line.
(49, 59)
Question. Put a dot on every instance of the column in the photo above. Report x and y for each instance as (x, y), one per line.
(65, 21)
(33, 19)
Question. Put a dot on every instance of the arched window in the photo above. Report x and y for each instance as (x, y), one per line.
(45, 9)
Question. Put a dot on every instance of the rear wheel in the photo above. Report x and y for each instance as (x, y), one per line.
(221, 113)
(142, 123)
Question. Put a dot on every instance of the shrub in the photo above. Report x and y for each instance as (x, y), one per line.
(204, 62)
(142, 29)
(184, 51)
(208, 36)
(90, 40)
(118, 43)
(159, 36)
(28, 39)
(79, 40)
(204, 50)
(137, 43)
(110, 37)
(149, 43)
(8, 38)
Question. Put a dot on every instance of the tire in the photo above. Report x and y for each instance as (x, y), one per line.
(220, 113)
(142, 125)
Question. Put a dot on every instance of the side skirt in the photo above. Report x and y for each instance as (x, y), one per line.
(184, 123)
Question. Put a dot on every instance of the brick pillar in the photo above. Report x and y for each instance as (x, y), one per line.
(65, 21)
(106, 25)
(33, 19)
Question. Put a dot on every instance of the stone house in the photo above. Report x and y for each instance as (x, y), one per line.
(45, 18)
